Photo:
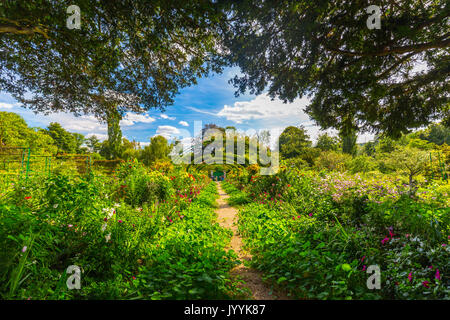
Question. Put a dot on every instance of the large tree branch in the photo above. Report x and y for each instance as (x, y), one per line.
(23, 30)
(445, 43)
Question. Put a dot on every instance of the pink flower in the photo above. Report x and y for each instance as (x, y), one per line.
(430, 267)
(310, 214)
(384, 240)
(407, 235)
(362, 259)
(69, 226)
(364, 268)
(410, 276)
(437, 275)
(390, 232)
(425, 284)
(24, 248)
(120, 221)
(444, 244)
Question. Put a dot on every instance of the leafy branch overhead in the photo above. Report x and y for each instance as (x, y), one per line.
(358, 78)
(130, 55)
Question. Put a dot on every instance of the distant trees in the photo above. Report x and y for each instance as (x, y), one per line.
(326, 142)
(436, 133)
(14, 132)
(65, 141)
(159, 149)
(93, 143)
(112, 150)
(410, 161)
(293, 141)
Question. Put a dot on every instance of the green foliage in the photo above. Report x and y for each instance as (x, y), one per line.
(315, 233)
(292, 141)
(14, 132)
(65, 141)
(325, 49)
(41, 55)
(327, 143)
(361, 163)
(332, 160)
(168, 247)
(112, 146)
(158, 149)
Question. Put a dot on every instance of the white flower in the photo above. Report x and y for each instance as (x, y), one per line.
(108, 237)
(104, 227)
(117, 205)
(111, 213)
(55, 206)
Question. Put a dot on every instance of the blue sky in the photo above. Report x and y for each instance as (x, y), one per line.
(212, 100)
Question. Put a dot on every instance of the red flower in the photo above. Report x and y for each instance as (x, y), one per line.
(289, 185)
(27, 198)
(425, 284)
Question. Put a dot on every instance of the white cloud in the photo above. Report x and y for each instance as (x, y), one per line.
(263, 107)
(167, 132)
(202, 111)
(165, 116)
(184, 123)
(4, 105)
(132, 118)
(82, 124)
(100, 136)
(144, 144)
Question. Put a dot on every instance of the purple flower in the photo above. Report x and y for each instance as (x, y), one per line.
(437, 275)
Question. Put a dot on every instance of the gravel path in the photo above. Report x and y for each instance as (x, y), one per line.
(227, 217)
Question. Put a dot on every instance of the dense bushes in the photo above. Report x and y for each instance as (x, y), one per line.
(317, 233)
(138, 235)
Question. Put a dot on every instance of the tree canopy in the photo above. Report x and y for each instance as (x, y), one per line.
(380, 80)
(14, 132)
(127, 55)
(293, 141)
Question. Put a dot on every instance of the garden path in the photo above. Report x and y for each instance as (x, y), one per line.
(227, 218)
